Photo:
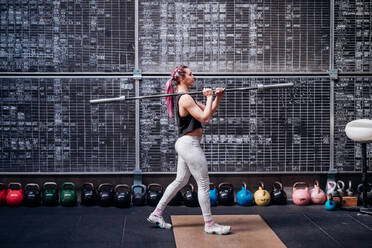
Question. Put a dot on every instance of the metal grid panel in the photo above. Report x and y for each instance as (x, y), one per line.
(283, 130)
(48, 125)
(67, 36)
(353, 100)
(234, 36)
(353, 35)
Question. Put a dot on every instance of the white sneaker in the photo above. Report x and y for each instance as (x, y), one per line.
(217, 229)
(159, 221)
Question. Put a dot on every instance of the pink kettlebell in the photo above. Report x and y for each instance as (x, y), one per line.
(317, 195)
(301, 196)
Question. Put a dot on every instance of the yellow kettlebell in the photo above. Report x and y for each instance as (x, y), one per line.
(261, 196)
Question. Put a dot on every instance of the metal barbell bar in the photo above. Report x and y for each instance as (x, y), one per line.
(124, 98)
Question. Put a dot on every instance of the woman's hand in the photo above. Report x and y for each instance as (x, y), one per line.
(207, 92)
(220, 92)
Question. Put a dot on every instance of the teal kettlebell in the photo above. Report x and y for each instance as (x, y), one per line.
(213, 195)
(244, 197)
(68, 194)
(330, 204)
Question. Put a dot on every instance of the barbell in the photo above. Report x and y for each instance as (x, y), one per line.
(124, 98)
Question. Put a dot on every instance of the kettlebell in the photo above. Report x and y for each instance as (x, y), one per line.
(213, 196)
(139, 195)
(190, 197)
(105, 195)
(278, 195)
(331, 188)
(88, 194)
(50, 194)
(349, 191)
(153, 196)
(122, 196)
(68, 194)
(340, 188)
(301, 196)
(330, 205)
(14, 196)
(244, 197)
(2, 194)
(226, 194)
(317, 195)
(32, 195)
(177, 199)
(360, 194)
(261, 196)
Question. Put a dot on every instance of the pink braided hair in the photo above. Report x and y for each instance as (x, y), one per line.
(170, 86)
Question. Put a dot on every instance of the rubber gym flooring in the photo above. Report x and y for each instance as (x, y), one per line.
(80, 227)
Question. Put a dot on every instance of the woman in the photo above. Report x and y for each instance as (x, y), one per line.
(189, 115)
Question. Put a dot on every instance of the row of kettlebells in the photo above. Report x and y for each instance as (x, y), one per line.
(49, 195)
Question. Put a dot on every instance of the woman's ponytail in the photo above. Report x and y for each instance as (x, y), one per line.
(169, 89)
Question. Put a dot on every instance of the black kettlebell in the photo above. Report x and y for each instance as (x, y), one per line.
(154, 196)
(226, 194)
(360, 194)
(105, 194)
(32, 195)
(122, 196)
(50, 194)
(278, 195)
(190, 197)
(88, 194)
(139, 194)
(177, 199)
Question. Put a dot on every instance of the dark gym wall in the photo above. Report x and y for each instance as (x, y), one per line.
(47, 124)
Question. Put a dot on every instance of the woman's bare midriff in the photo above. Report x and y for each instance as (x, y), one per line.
(196, 132)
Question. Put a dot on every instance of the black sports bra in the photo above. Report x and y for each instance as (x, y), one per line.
(187, 123)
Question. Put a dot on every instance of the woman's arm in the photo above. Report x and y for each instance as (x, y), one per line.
(202, 115)
(216, 102)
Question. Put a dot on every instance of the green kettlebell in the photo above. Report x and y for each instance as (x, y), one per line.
(50, 194)
(68, 194)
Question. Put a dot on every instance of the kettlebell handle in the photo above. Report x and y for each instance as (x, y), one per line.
(244, 185)
(143, 187)
(32, 185)
(68, 183)
(261, 184)
(13, 183)
(90, 184)
(225, 183)
(300, 183)
(192, 187)
(339, 182)
(280, 185)
(316, 183)
(122, 186)
(49, 183)
(105, 184)
(154, 185)
(331, 186)
(213, 186)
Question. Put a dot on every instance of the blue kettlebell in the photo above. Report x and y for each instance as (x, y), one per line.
(330, 204)
(244, 197)
(213, 195)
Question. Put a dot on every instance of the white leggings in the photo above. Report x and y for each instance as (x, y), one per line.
(191, 161)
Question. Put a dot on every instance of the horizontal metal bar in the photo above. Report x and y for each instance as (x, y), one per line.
(56, 74)
(166, 74)
(174, 173)
(258, 87)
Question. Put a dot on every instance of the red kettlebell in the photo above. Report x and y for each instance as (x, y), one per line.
(301, 196)
(317, 194)
(2, 194)
(14, 195)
